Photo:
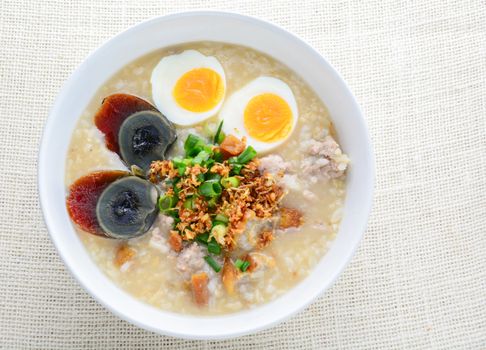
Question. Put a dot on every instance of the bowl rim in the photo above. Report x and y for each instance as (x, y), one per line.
(257, 326)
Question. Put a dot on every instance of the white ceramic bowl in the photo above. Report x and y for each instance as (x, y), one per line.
(189, 27)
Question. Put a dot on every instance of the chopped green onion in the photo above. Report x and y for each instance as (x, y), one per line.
(218, 232)
(218, 157)
(238, 263)
(201, 157)
(236, 165)
(181, 164)
(214, 247)
(191, 141)
(189, 203)
(209, 163)
(248, 154)
(166, 203)
(232, 181)
(210, 189)
(177, 160)
(221, 218)
(203, 238)
(174, 213)
(211, 262)
(212, 202)
(213, 176)
(219, 136)
(208, 148)
(244, 266)
(180, 161)
(200, 177)
(193, 145)
(236, 169)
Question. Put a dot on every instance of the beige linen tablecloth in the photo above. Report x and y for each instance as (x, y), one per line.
(418, 69)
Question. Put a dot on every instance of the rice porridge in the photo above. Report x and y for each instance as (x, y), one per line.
(240, 218)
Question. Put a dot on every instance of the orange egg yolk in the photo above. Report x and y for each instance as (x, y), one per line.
(199, 90)
(268, 118)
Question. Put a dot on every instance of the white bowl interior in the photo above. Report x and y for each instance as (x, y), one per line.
(190, 27)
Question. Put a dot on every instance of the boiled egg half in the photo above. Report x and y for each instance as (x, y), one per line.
(188, 87)
(264, 111)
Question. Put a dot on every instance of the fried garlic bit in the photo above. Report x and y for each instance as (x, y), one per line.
(257, 195)
(123, 255)
(264, 239)
(290, 217)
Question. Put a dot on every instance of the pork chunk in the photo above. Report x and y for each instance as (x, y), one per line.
(325, 158)
(290, 217)
(190, 260)
(273, 164)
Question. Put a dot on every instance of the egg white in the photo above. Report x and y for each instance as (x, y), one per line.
(233, 109)
(165, 76)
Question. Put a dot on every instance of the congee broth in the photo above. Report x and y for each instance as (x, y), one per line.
(205, 178)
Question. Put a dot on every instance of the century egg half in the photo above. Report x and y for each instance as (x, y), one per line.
(116, 203)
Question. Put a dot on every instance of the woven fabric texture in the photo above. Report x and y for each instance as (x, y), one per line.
(418, 69)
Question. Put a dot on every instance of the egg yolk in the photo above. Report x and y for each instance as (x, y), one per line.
(199, 90)
(268, 118)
